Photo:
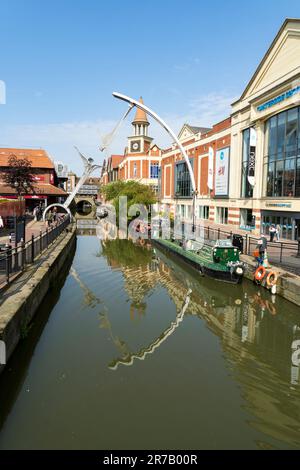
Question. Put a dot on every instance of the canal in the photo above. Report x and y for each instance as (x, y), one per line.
(132, 349)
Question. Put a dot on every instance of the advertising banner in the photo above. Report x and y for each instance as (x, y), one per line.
(210, 176)
(222, 172)
(252, 155)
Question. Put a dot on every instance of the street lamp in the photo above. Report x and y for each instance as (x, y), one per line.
(133, 102)
(19, 221)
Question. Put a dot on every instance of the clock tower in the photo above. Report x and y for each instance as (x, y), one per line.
(139, 142)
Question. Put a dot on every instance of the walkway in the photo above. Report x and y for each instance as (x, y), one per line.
(32, 228)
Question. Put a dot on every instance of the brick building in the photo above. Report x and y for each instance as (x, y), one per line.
(141, 159)
(46, 188)
(247, 167)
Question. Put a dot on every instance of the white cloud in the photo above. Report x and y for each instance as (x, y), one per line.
(59, 138)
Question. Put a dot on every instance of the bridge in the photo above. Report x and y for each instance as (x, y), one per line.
(85, 207)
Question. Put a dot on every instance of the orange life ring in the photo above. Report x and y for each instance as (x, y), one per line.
(272, 279)
(260, 273)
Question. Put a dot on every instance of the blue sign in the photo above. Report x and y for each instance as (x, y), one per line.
(279, 98)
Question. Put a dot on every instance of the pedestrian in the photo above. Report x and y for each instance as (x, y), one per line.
(34, 213)
(272, 232)
(49, 218)
(259, 252)
(54, 214)
(277, 233)
(1, 222)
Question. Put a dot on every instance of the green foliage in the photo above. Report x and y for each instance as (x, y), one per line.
(136, 193)
(125, 253)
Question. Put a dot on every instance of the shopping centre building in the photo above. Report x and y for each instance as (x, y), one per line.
(247, 167)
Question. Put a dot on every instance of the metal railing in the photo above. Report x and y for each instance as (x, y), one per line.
(284, 253)
(14, 260)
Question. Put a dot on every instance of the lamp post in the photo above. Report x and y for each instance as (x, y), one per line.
(133, 102)
(20, 186)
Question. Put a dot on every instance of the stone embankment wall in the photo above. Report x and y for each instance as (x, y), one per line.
(288, 285)
(17, 311)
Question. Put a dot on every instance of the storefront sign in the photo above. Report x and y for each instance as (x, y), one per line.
(222, 172)
(279, 99)
(210, 176)
(279, 204)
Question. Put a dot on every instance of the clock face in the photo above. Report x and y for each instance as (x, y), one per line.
(135, 146)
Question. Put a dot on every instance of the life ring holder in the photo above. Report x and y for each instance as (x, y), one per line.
(272, 279)
(260, 273)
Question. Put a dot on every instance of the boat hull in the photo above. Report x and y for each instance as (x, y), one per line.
(224, 276)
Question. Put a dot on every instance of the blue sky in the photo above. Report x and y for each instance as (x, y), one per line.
(61, 60)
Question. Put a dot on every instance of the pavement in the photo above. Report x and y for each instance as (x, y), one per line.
(32, 228)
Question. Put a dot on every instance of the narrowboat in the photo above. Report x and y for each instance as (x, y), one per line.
(218, 259)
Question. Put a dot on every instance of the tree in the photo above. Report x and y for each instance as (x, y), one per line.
(136, 193)
(18, 175)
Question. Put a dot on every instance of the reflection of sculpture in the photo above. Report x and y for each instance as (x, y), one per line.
(128, 359)
(90, 299)
(89, 167)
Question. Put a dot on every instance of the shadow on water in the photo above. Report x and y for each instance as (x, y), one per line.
(14, 374)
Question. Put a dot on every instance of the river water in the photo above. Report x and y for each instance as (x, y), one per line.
(133, 349)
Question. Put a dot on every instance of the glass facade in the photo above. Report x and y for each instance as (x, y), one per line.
(246, 189)
(282, 154)
(183, 186)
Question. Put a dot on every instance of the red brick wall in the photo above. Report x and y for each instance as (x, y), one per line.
(203, 176)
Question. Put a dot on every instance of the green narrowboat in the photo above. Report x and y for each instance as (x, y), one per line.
(218, 259)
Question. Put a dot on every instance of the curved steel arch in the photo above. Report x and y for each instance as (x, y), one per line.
(133, 102)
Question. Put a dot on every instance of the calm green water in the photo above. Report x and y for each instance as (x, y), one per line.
(120, 356)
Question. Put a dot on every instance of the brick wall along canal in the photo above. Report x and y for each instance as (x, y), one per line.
(122, 356)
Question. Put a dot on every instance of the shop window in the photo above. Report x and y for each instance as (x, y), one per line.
(289, 178)
(247, 220)
(222, 215)
(282, 154)
(204, 212)
(182, 180)
(297, 182)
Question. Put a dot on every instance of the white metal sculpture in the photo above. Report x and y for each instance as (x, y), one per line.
(133, 102)
(89, 168)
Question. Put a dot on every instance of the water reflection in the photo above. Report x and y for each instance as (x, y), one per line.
(260, 334)
(225, 357)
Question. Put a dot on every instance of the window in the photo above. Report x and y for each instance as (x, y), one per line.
(154, 170)
(222, 215)
(247, 219)
(183, 187)
(204, 212)
(282, 154)
(247, 189)
(134, 170)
